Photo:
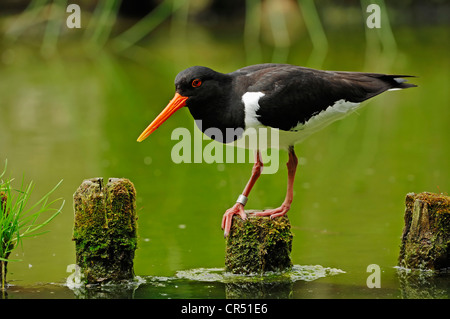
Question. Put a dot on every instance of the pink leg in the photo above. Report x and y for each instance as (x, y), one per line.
(284, 208)
(238, 208)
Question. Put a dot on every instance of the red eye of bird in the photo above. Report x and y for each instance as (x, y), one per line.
(196, 83)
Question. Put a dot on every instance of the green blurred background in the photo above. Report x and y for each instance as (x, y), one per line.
(73, 102)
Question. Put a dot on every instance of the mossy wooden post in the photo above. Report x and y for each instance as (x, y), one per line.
(258, 245)
(105, 229)
(426, 235)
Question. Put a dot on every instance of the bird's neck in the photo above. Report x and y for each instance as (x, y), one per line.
(221, 118)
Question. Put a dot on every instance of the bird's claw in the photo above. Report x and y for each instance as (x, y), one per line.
(237, 209)
(275, 212)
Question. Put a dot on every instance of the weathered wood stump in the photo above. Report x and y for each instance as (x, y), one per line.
(105, 229)
(259, 244)
(426, 235)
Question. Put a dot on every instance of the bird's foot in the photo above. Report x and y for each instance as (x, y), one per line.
(275, 212)
(237, 209)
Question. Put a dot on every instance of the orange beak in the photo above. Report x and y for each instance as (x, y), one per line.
(174, 105)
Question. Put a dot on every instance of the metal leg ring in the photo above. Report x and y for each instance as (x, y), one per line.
(242, 200)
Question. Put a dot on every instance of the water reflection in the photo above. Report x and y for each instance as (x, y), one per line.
(269, 285)
(119, 290)
(208, 283)
(424, 284)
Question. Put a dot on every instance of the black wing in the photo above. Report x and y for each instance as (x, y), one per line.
(294, 94)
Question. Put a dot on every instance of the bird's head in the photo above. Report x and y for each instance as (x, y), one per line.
(194, 86)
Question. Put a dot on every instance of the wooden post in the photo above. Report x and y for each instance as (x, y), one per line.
(426, 235)
(105, 229)
(259, 244)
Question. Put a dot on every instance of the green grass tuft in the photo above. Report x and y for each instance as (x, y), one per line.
(18, 219)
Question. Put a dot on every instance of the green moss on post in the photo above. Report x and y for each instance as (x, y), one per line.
(105, 229)
(259, 244)
(426, 235)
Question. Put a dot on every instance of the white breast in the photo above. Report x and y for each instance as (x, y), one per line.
(251, 106)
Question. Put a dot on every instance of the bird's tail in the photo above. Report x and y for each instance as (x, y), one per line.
(397, 82)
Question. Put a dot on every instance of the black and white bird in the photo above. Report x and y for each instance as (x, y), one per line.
(296, 101)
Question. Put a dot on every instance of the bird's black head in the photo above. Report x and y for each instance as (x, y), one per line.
(196, 87)
(200, 84)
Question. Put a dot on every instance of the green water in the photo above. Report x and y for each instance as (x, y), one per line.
(77, 115)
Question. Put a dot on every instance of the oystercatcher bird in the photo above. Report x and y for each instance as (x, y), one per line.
(296, 101)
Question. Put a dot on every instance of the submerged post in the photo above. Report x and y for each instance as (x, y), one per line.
(105, 229)
(259, 244)
(426, 235)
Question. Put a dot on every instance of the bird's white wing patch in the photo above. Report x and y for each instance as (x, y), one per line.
(251, 106)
